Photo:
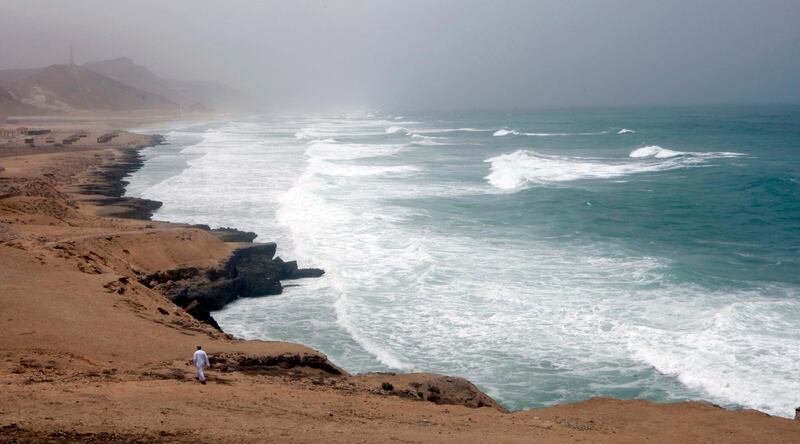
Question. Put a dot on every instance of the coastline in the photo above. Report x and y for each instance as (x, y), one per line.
(251, 270)
(64, 219)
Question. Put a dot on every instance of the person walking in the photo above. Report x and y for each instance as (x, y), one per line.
(200, 360)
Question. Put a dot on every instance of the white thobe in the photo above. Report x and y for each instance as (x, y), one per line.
(200, 360)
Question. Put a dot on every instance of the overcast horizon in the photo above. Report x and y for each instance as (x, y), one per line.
(436, 55)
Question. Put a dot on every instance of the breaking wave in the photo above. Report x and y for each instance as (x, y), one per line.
(328, 140)
(505, 132)
(394, 129)
(520, 168)
(451, 130)
(509, 132)
(349, 151)
(428, 142)
(657, 152)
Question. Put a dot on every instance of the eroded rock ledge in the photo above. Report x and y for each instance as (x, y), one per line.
(251, 271)
(238, 362)
(110, 183)
(439, 389)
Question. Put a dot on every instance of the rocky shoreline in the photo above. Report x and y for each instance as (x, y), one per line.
(252, 270)
(109, 184)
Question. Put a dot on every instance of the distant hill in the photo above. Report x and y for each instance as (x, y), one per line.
(10, 106)
(71, 87)
(125, 71)
(187, 93)
(109, 85)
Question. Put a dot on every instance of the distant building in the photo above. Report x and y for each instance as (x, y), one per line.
(15, 132)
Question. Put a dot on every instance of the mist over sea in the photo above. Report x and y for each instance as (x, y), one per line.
(547, 256)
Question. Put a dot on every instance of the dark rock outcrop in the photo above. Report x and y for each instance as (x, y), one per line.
(130, 207)
(109, 185)
(227, 234)
(257, 270)
(251, 271)
(289, 270)
(201, 314)
(229, 362)
(439, 389)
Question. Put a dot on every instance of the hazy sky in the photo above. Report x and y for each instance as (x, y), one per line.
(435, 54)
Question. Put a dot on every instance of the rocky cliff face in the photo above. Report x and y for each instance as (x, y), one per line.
(250, 271)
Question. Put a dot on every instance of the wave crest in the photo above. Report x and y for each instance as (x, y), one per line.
(657, 152)
(394, 129)
(505, 132)
(509, 132)
(520, 168)
(654, 151)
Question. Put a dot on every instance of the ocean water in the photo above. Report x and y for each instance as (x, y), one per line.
(547, 256)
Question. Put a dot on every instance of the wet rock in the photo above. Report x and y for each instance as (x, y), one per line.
(289, 270)
(252, 271)
(201, 314)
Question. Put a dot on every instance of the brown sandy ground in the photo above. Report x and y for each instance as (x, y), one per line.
(87, 354)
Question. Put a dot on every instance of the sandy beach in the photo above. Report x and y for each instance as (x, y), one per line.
(92, 354)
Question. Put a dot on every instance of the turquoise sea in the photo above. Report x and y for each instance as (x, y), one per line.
(548, 256)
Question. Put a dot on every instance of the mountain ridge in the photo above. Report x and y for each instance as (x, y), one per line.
(108, 85)
(70, 88)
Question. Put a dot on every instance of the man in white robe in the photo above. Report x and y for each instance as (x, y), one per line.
(200, 360)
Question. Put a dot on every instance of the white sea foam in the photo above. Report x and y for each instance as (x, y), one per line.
(394, 129)
(625, 131)
(349, 151)
(328, 140)
(451, 130)
(508, 132)
(428, 142)
(517, 169)
(305, 133)
(654, 151)
(319, 166)
(657, 152)
(736, 352)
(505, 132)
(421, 136)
